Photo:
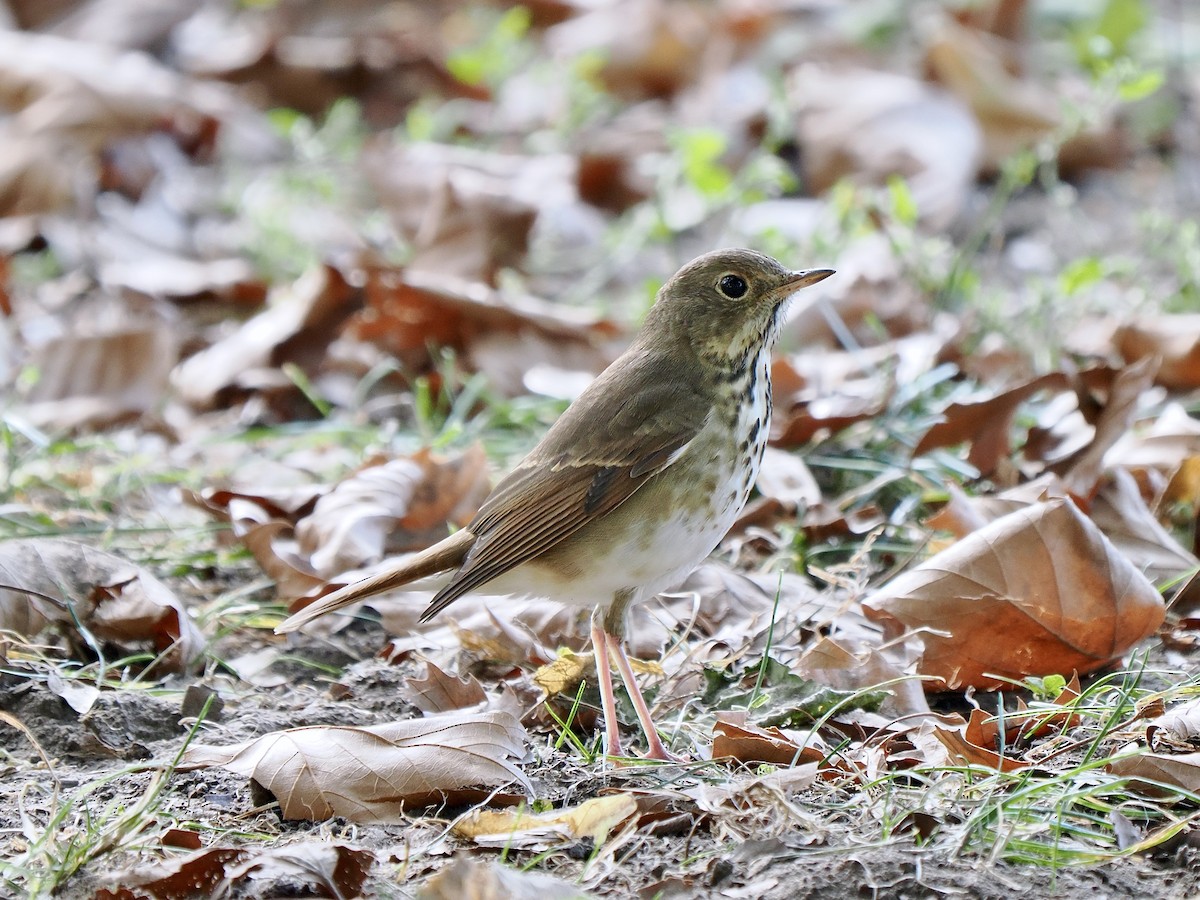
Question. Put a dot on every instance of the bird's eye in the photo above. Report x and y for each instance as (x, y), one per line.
(732, 286)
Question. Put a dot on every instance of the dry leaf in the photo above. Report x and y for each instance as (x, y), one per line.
(1013, 112)
(115, 600)
(72, 98)
(869, 125)
(1081, 471)
(1039, 591)
(1177, 730)
(1122, 514)
(1173, 338)
(298, 324)
(334, 869)
(467, 878)
(784, 478)
(961, 749)
(197, 874)
(985, 424)
(1148, 771)
(372, 774)
(745, 743)
(500, 335)
(649, 49)
(564, 672)
(523, 830)
(466, 213)
(108, 361)
(398, 506)
(440, 692)
(773, 787)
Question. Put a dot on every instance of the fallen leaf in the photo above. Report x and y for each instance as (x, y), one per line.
(440, 692)
(372, 774)
(197, 874)
(394, 507)
(336, 870)
(465, 212)
(300, 321)
(986, 424)
(476, 879)
(648, 49)
(869, 125)
(1177, 730)
(736, 796)
(80, 696)
(963, 750)
(1122, 514)
(76, 586)
(71, 99)
(109, 361)
(520, 829)
(746, 743)
(1150, 771)
(1174, 338)
(564, 672)
(500, 335)
(1039, 591)
(1082, 470)
(1013, 112)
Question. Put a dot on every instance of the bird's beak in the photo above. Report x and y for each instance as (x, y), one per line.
(805, 278)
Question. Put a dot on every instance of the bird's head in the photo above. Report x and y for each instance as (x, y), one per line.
(728, 302)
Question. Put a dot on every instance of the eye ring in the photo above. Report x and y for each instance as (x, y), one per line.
(732, 286)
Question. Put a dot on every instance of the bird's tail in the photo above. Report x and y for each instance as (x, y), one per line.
(441, 556)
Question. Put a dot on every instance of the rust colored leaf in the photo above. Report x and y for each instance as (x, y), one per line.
(1039, 591)
(1082, 470)
(961, 749)
(1173, 338)
(985, 424)
(745, 743)
(334, 870)
(373, 774)
(197, 874)
(501, 336)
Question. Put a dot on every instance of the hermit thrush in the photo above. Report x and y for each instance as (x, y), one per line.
(638, 480)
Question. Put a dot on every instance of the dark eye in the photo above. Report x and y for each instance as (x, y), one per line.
(732, 286)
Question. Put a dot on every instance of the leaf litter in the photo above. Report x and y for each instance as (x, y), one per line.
(325, 327)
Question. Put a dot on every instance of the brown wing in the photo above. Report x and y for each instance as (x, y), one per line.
(630, 424)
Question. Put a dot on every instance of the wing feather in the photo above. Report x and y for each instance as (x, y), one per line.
(632, 423)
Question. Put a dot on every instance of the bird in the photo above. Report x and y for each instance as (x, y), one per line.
(638, 480)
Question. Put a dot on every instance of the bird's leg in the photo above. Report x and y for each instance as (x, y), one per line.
(608, 700)
(654, 744)
(611, 636)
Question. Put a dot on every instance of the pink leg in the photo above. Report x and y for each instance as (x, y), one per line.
(654, 745)
(608, 701)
